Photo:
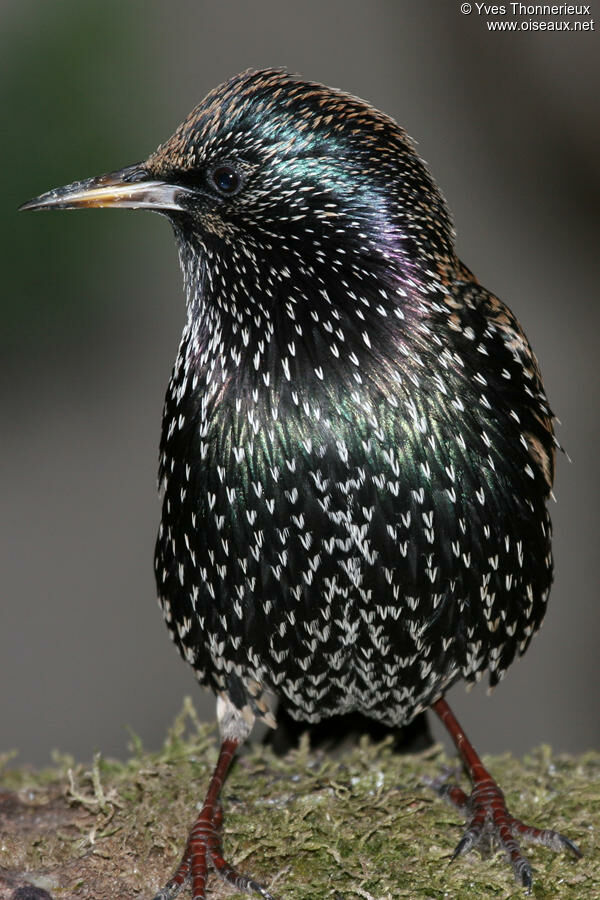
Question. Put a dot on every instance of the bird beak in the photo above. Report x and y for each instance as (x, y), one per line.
(129, 188)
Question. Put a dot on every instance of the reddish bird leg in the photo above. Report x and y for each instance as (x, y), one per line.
(203, 851)
(488, 819)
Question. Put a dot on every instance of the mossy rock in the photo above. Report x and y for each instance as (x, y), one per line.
(308, 826)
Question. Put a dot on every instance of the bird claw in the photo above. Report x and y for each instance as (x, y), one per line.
(567, 844)
(170, 891)
(489, 823)
(202, 853)
(465, 844)
(228, 873)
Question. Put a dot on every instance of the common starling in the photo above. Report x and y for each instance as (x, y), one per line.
(357, 449)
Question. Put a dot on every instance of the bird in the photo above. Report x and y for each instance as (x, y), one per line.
(357, 449)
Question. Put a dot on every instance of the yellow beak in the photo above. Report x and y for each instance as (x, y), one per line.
(129, 188)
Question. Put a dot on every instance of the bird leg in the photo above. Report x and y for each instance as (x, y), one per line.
(488, 819)
(203, 850)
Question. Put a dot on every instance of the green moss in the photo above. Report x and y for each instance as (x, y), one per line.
(308, 826)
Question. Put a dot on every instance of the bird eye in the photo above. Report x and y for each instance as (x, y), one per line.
(226, 179)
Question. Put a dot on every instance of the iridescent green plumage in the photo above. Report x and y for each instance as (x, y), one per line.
(346, 359)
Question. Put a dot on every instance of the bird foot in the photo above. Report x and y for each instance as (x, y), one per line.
(490, 824)
(203, 853)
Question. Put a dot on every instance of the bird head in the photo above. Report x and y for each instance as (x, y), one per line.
(287, 165)
(298, 210)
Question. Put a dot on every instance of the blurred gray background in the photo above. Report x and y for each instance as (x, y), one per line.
(92, 309)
